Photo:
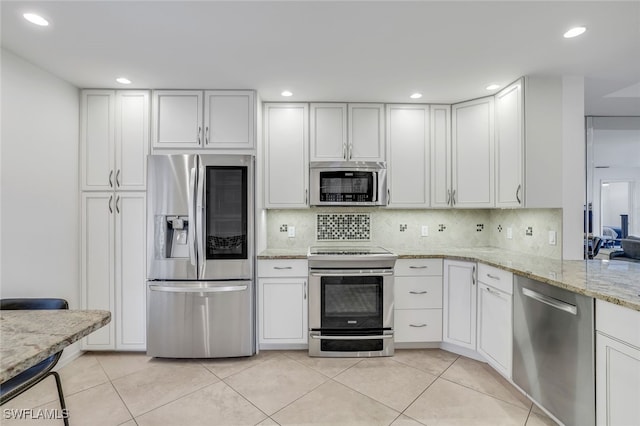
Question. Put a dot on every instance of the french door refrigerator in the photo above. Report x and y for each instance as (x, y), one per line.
(200, 256)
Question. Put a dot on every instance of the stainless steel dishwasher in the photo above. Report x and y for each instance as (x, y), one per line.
(553, 350)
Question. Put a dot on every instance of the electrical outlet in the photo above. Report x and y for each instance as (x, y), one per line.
(425, 231)
(552, 238)
(291, 231)
(509, 233)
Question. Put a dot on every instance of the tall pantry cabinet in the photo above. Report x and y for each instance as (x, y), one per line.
(114, 143)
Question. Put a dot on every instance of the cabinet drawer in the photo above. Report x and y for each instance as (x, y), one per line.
(417, 292)
(495, 277)
(418, 325)
(283, 268)
(415, 267)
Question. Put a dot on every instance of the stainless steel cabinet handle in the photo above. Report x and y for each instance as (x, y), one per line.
(490, 291)
(305, 290)
(417, 325)
(110, 207)
(224, 289)
(199, 132)
(117, 204)
(517, 194)
(110, 180)
(349, 153)
(306, 196)
(419, 267)
(206, 135)
(384, 336)
(473, 276)
(418, 292)
(453, 198)
(282, 267)
(388, 195)
(493, 277)
(554, 303)
(344, 151)
(448, 196)
(118, 178)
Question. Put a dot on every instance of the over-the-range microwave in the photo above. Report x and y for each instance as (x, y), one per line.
(348, 183)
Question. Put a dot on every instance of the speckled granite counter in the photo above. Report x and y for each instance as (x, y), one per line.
(614, 281)
(30, 336)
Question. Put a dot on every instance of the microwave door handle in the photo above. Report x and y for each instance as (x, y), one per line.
(375, 188)
(200, 213)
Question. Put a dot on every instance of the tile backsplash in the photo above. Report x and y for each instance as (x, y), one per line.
(528, 229)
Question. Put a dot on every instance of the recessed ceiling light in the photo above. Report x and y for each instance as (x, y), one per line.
(493, 87)
(575, 32)
(123, 80)
(286, 93)
(416, 96)
(36, 19)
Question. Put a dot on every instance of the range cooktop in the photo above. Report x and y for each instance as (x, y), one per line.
(350, 257)
(347, 251)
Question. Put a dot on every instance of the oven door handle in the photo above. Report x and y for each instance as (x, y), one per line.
(318, 337)
(350, 272)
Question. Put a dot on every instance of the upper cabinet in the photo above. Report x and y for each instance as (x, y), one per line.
(472, 174)
(114, 140)
(347, 132)
(204, 119)
(286, 156)
(509, 145)
(408, 155)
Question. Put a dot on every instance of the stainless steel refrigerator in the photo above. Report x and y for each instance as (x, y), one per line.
(200, 256)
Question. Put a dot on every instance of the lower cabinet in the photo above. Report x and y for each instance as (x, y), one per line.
(617, 365)
(459, 303)
(113, 269)
(282, 303)
(495, 324)
(418, 301)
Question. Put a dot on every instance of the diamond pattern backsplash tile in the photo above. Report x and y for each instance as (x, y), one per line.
(343, 227)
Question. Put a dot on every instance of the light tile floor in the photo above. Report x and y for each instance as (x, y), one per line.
(414, 387)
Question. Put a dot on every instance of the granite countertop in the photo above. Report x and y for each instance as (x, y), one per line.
(30, 336)
(617, 282)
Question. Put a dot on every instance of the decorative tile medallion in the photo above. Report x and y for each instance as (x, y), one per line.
(343, 227)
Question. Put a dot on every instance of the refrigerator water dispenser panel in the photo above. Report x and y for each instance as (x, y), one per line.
(171, 237)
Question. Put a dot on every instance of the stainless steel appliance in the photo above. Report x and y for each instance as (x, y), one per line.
(348, 183)
(200, 256)
(350, 301)
(553, 350)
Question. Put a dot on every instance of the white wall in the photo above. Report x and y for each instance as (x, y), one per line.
(39, 179)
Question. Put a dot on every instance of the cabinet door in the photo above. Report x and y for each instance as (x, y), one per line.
(328, 132)
(177, 119)
(617, 382)
(495, 328)
(473, 154)
(97, 140)
(132, 140)
(459, 316)
(366, 132)
(283, 310)
(229, 119)
(408, 155)
(509, 146)
(286, 136)
(440, 124)
(130, 276)
(97, 261)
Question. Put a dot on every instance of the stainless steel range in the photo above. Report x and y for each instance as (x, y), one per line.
(350, 301)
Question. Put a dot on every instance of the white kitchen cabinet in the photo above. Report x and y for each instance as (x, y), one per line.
(509, 146)
(286, 156)
(204, 119)
(347, 132)
(113, 247)
(472, 136)
(114, 140)
(418, 301)
(459, 303)
(617, 365)
(408, 152)
(495, 325)
(440, 132)
(282, 303)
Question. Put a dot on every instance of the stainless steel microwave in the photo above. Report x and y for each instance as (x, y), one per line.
(348, 183)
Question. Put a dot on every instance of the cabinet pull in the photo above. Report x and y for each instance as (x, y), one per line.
(518, 194)
(448, 196)
(344, 151)
(418, 292)
(282, 267)
(417, 325)
(495, 293)
(206, 135)
(388, 195)
(306, 196)
(110, 180)
(493, 277)
(349, 151)
(305, 290)
(110, 201)
(453, 198)
(473, 276)
(117, 204)
(199, 132)
(118, 178)
(418, 267)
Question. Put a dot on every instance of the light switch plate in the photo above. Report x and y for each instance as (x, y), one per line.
(291, 231)
(425, 231)
(552, 238)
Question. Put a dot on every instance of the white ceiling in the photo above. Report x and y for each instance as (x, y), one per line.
(336, 51)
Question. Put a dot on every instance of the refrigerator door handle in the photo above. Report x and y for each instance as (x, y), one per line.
(176, 289)
(192, 233)
(200, 213)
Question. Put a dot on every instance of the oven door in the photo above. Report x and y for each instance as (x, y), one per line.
(351, 312)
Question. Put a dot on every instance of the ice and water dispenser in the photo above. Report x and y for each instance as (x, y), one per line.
(172, 237)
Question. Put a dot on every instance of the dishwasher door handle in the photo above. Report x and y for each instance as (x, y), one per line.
(554, 303)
